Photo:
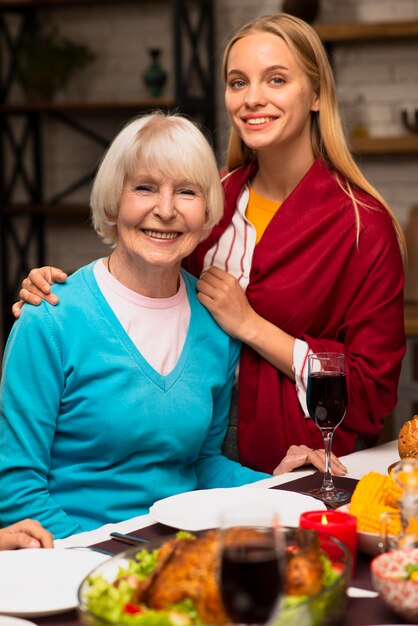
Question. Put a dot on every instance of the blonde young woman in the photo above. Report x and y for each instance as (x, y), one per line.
(308, 255)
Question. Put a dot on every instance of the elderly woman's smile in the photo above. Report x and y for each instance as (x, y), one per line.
(161, 235)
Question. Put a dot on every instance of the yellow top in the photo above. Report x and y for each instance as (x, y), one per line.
(259, 212)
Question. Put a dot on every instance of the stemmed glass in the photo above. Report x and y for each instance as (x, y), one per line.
(252, 564)
(327, 402)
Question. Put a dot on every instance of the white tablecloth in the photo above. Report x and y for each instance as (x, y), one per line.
(358, 464)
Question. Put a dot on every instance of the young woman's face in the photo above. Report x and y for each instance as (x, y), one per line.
(160, 219)
(268, 96)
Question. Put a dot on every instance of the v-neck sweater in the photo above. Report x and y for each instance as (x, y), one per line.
(90, 433)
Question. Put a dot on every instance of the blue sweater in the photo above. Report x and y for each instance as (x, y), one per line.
(90, 433)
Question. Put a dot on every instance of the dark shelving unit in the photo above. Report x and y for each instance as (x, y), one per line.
(21, 149)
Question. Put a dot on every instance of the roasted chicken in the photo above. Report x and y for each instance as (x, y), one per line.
(305, 570)
(189, 569)
(304, 574)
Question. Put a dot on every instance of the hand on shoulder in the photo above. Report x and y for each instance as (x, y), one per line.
(37, 287)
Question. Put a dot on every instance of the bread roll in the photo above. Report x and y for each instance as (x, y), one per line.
(408, 439)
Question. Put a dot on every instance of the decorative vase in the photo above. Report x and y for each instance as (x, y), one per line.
(307, 10)
(155, 76)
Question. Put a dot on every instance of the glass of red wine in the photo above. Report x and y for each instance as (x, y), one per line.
(327, 402)
(252, 565)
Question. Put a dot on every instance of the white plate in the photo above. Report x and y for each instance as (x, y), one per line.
(200, 510)
(366, 542)
(41, 581)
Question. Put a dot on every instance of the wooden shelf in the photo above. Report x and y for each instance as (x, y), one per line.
(36, 4)
(112, 105)
(411, 319)
(385, 145)
(330, 33)
(25, 122)
(56, 210)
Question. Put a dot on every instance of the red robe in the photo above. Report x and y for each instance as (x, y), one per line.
(311, 279)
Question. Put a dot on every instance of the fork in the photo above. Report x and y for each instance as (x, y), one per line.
(91, 549)
(128, 539)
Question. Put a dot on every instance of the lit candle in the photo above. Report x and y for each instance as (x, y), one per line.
(337, 524)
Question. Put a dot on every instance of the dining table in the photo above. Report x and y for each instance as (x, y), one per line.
(364, 607)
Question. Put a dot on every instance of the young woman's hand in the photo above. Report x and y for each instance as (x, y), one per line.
(224, 298)
(25, 534)
(297, 456)
(37, 287)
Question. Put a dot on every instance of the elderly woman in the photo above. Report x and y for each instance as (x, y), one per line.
(119, 396)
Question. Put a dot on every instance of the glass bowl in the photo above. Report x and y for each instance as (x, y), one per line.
(325, 608)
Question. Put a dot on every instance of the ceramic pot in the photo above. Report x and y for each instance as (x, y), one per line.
(155, 76)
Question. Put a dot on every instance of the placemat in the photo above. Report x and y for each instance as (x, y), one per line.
(314, 481)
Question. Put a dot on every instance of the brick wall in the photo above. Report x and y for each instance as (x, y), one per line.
(385, 74)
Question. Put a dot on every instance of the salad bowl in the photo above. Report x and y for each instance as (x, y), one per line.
(395, 577)
(109, 594)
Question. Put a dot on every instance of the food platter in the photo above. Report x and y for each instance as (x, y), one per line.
(109, 594)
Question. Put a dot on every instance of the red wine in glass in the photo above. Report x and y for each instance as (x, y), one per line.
(251, 581)
(326, 398)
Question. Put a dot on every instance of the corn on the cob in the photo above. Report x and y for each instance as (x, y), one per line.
(374, 495)
(393, 493)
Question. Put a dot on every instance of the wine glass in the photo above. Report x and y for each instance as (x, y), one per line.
(252, 562)
(327, 402)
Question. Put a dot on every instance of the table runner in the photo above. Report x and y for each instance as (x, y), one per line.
(360, 611)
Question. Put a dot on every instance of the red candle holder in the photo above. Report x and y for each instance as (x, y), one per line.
(342, 526)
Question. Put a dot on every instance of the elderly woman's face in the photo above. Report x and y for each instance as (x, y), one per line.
(160, 220)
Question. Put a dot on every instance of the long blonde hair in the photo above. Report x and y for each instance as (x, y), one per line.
(327, 135)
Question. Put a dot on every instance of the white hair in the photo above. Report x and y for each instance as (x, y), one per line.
(169, 142)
